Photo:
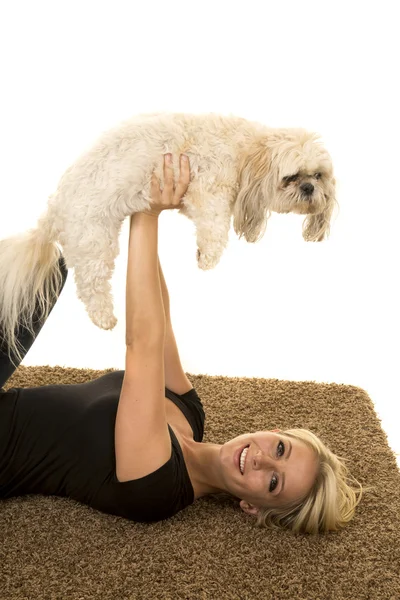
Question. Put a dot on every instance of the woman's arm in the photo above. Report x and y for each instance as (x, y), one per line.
(175, 377)
(145, 318)
(140, 414)
(142, 442)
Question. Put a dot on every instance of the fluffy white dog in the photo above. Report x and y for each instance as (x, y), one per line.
(238, 168)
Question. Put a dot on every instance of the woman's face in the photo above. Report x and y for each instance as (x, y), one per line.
(267, 469)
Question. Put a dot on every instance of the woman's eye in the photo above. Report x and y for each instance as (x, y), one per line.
(274, 480)
(273, 484)
(281, 449)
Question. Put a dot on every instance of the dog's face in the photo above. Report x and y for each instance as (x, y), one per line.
(288, 171)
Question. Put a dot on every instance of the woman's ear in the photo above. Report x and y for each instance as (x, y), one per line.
(250, 211)
(248, 508)
(316, 227)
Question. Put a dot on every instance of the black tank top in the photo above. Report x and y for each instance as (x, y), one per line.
(59, 440)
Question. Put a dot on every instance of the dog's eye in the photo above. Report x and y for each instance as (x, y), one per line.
(317, 175)
(290, 178)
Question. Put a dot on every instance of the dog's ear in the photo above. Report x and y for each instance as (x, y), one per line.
(250, 211)
(316, 227)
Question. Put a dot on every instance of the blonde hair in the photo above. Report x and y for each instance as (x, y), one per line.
(331, 502)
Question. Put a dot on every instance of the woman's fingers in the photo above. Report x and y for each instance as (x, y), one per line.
(169, 182)
(184, 179)
(171, 195)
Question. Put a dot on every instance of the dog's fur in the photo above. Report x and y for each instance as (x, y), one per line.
(238, 168)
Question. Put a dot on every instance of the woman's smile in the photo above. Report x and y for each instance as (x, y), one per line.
(238, 457)
(242, 459)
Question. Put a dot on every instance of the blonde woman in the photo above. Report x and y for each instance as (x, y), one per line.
(129, 443)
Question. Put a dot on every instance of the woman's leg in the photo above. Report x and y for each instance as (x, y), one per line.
(25, 338)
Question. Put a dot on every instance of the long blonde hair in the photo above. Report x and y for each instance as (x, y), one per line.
(331, 502)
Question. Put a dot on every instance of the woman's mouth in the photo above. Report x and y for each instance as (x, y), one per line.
(242, 459)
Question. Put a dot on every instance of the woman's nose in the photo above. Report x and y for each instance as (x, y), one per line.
(261, 460)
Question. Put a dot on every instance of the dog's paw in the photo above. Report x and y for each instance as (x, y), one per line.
(104, 320)
(206, 261)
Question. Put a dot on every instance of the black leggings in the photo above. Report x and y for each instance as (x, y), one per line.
(24, 337)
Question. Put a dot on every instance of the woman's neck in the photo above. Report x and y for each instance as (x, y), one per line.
(202, 463)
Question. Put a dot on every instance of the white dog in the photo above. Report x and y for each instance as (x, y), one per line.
(238, 168)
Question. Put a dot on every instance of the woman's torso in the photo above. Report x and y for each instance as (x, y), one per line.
(59, 440)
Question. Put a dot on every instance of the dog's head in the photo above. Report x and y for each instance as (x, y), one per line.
(287, 170)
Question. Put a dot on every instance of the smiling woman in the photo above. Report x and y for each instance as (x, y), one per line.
(137, 448)
(287, 480)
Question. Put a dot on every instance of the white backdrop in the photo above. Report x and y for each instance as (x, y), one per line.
(281, 308)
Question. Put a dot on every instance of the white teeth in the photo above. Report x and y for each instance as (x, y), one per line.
(243, 459)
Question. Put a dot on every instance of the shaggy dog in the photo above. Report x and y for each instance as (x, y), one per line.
(238, 168)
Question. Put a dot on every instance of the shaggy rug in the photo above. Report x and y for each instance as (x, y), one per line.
(55, 548)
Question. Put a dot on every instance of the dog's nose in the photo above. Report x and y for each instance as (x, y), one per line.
(307, 188)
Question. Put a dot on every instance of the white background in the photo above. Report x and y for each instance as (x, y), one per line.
(282, 308)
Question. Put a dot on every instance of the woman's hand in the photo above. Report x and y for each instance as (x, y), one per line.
(171, 195)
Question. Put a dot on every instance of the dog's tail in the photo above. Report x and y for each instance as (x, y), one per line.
(30, 278)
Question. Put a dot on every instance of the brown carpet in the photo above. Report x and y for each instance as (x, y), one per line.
(54, 548)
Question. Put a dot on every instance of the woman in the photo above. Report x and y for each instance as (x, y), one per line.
(130, 442)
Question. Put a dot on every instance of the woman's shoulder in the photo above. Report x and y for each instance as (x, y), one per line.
(192, 408)
(154, 497)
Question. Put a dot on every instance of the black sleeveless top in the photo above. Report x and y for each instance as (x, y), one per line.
(59, 440)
